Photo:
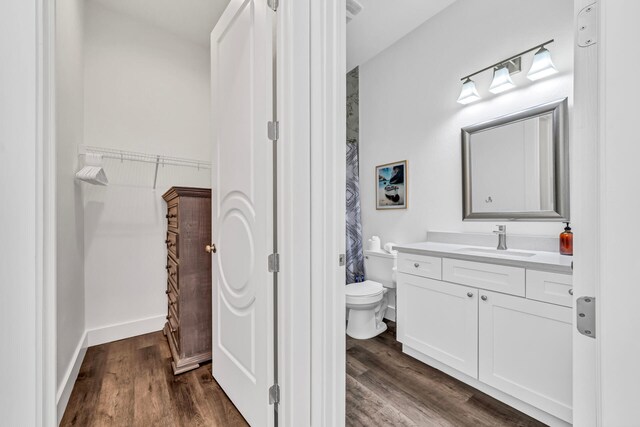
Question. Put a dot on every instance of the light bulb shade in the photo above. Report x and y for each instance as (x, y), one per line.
(501, 81)
(469, 93)
(542, 65)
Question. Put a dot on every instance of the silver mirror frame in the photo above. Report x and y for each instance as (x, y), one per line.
(561, 165)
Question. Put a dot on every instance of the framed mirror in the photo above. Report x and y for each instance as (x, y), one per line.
(516, 167)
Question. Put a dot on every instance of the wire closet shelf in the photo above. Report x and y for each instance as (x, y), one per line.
(157, 159)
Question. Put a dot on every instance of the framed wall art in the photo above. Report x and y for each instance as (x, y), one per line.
(391, 185)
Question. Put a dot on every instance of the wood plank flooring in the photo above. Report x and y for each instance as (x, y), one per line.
(385, 387)
(130, 383)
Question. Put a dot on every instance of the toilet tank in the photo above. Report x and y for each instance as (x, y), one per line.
(381, 267)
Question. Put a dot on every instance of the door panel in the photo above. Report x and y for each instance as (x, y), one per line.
(525, 351)
(440, 320)
(241, 197)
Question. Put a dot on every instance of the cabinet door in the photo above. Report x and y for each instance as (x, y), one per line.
(525, 351)
(440, 320)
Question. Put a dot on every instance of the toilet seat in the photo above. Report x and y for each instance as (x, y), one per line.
(366, 292)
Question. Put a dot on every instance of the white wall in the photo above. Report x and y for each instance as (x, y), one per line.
(408, 106)
(20, 260)
(70, 216)
(146, 90)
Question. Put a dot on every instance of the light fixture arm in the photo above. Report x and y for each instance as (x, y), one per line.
(508, 59)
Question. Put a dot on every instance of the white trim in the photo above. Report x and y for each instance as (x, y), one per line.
(586, 220)
(120, 331)
(295, 214)
(70, 376)
(45, 226)
(497, 394)
(328, 169)
(390, 314)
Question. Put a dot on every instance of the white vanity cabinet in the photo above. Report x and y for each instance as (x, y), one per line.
(483, 321)
(454, 309)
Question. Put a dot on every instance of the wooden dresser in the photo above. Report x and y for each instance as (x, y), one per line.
(188, 327)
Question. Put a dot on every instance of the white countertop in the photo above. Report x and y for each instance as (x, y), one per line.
(534, 260)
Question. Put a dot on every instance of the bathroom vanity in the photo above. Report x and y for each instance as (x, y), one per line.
(500, 321)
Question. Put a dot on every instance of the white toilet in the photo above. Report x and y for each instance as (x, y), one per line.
(367, 301)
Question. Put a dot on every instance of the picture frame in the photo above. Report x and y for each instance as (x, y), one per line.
(391, 186)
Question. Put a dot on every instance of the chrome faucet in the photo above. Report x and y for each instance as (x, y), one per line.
(502, 237)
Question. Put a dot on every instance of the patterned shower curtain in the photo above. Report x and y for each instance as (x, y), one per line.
(354, 255)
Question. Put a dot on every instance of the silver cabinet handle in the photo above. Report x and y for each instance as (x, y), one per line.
(470, 294)
(570, 291)
(416, 265)
(484, 298)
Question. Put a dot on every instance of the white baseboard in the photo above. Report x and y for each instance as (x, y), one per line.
(70, 376)
(390, 314)
(124, 330)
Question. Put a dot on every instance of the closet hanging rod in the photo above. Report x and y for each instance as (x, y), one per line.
(132, 156)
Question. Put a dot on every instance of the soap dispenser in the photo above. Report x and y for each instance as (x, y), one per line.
(566, 241)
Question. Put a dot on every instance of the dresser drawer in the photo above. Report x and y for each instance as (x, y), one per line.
(499, 278)
(172, 271)
(172, 243)
(550, 287)
(420, 265)
(172, 216)
(172, 299)
(172, 320)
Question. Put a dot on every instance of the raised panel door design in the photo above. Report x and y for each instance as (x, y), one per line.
(241, 185)
(440, 320)
(525, 350)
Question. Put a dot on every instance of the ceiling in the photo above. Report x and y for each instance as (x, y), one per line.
(191, 19)
(382, 23)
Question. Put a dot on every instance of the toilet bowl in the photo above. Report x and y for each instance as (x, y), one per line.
(367, 301)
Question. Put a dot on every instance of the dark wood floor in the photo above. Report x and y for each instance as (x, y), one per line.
(385, 387)
(130, 383)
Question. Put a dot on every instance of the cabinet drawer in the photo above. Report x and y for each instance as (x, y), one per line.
(550, 287)
(172, 271)
(499, 278)
(172, 320)
(172, 299)
(420, 265)
(172, 216)
(172, 243)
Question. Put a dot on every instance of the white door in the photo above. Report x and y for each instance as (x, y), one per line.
(439, 319)
(241, 207)
(525, 350)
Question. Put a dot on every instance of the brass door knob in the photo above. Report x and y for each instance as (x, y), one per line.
(211, 248)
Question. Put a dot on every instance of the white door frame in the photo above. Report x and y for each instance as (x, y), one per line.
(312, 168)
(606, 227)
(27, 167)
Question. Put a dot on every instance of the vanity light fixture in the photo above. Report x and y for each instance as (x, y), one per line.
(501, 80)
(542, 67)
(469, 93)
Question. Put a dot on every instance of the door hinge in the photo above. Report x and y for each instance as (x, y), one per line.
(273, 4)
(341, 260)
(274, 263)
(274, 394)
(273, 130)
(586, 316)
(587, 23)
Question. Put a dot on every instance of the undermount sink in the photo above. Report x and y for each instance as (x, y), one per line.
(507, 253)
